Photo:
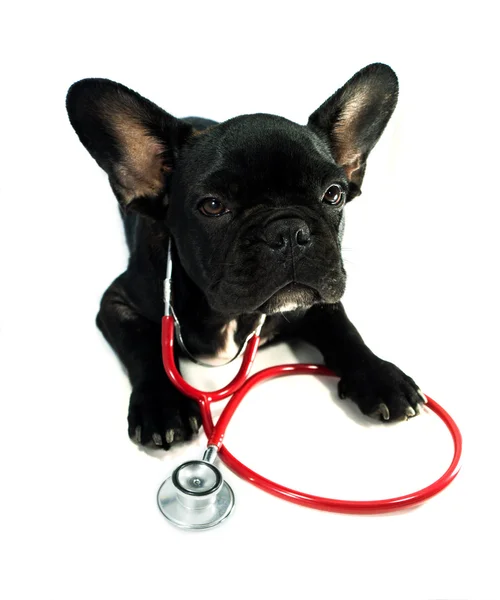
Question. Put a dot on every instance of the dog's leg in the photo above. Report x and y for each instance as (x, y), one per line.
(158, 413)
(378, 387)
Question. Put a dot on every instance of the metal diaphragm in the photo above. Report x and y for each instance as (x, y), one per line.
(195, 496)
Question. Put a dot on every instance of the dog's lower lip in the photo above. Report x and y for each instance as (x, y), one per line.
(287, 287)
(304, 296)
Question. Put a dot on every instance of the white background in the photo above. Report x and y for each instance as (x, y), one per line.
(78, 512)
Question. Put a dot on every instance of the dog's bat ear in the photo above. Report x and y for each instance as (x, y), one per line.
(354, 118)
(132, 139)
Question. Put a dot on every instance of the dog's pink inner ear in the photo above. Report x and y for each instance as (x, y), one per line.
(345, 150)
(143, 166)
(351, 166)
(347, 132)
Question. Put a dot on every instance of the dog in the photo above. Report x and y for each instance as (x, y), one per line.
(255, 209)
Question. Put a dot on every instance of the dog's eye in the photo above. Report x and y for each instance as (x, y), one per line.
(211, 207)
(334, 195)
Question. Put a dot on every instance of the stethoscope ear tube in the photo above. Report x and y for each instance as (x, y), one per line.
(168, 341)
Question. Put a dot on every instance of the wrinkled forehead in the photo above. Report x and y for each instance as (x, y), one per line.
(260, 152)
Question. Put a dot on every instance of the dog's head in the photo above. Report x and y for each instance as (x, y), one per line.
(255, 205)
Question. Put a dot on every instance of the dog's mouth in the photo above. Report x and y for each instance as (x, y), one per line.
(271, 292)
(292, 296)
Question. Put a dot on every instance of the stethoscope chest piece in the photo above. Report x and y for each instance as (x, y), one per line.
(195, 496)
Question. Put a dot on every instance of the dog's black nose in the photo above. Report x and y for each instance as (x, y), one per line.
(284, 233)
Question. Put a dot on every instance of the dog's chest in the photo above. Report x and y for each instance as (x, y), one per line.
(227, 342)
(230, 340)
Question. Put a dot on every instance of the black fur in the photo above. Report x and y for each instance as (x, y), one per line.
(274, 247)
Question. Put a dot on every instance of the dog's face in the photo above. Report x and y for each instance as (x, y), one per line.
(255, 205)
(265, 210)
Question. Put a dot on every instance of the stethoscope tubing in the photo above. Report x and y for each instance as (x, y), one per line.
(240, 387)
(318, 502)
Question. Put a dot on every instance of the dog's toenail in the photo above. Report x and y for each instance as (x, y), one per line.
(381, 410)
(422, 395)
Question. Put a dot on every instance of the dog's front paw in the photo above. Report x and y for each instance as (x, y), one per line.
(159, 416)
(382, 391)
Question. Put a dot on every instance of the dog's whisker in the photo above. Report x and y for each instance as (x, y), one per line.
(348, 260)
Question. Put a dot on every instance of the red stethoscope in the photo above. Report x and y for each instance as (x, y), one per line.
(196, 496)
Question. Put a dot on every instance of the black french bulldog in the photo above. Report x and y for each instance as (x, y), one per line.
(255, 208)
